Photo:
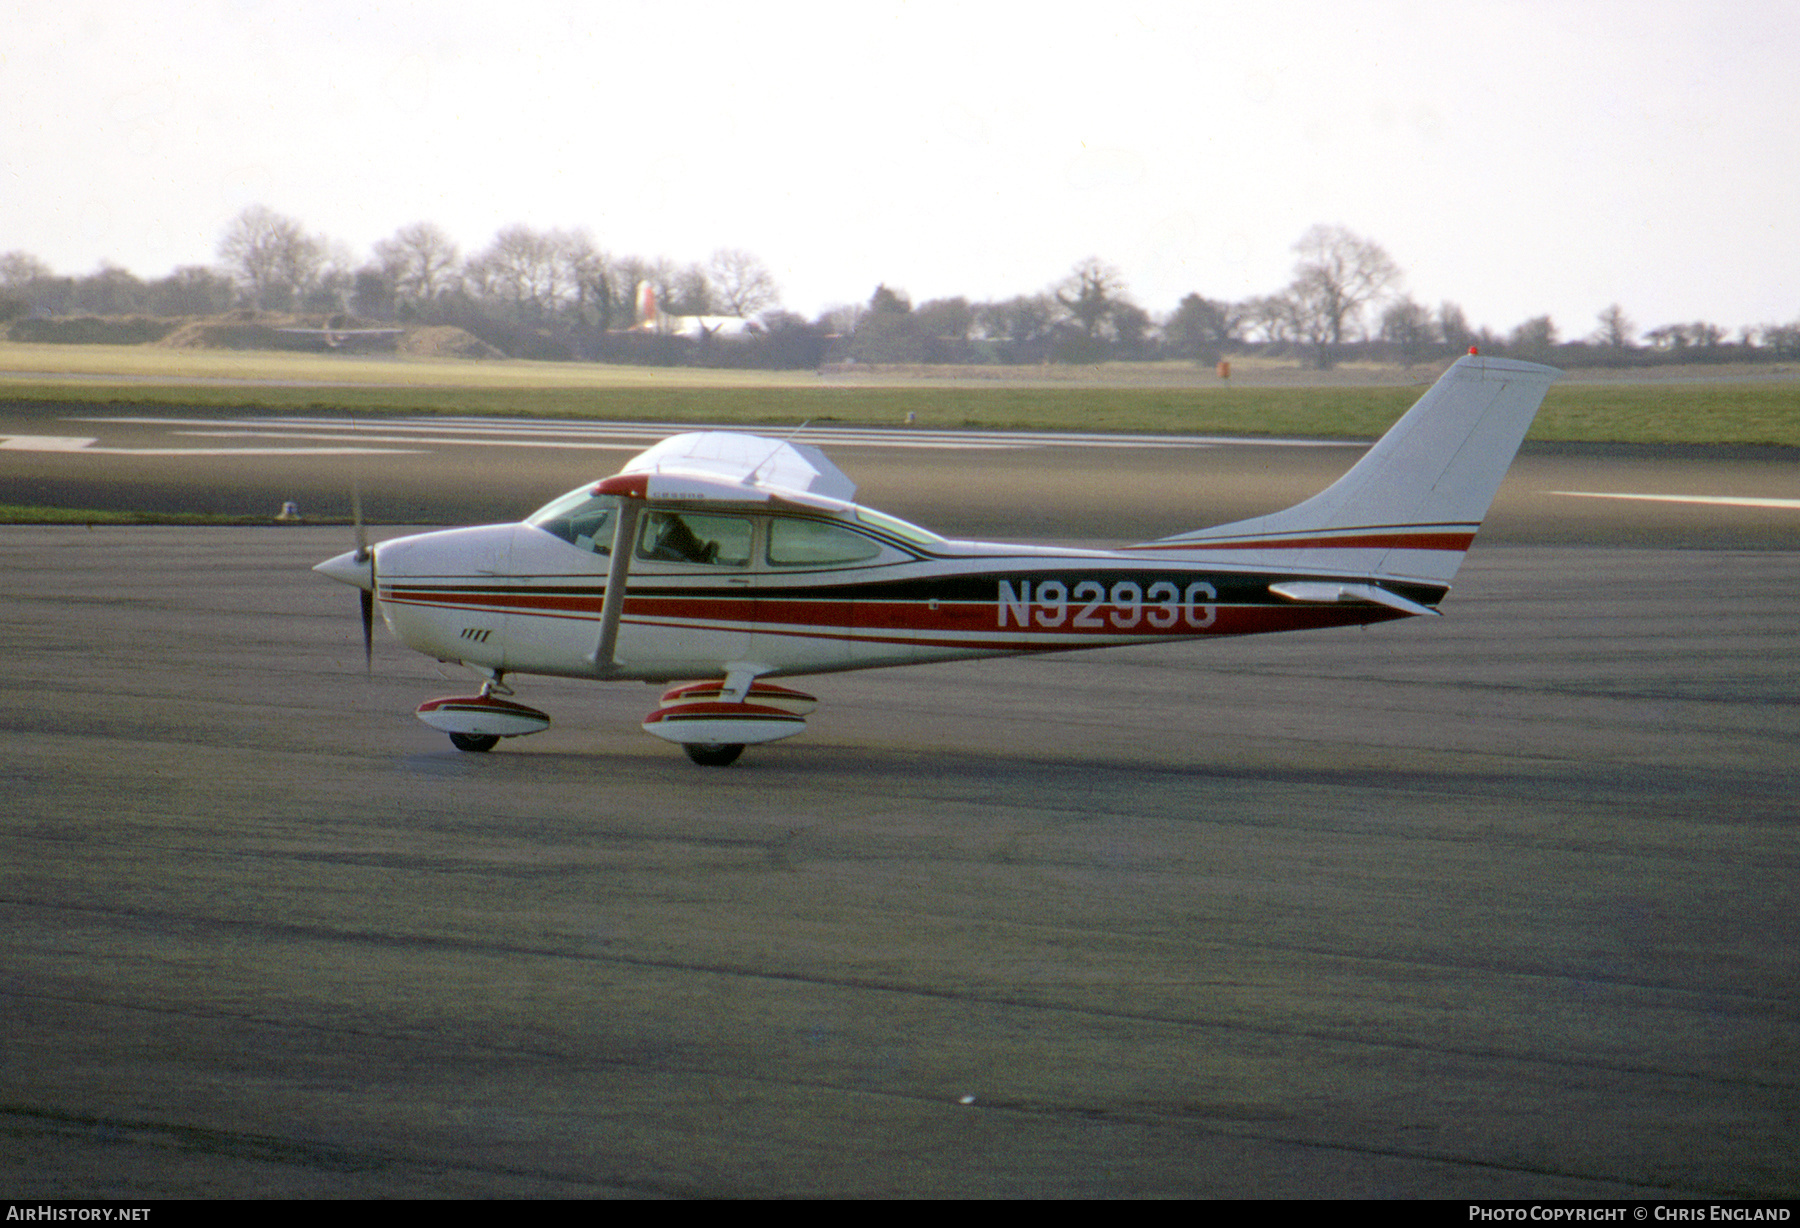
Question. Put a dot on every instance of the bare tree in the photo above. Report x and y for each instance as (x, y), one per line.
(1699, 334)
(691, 293)
(1337, 275)
(1273, 315)
(665, 276)
(1090, 293)
(273, 259)
(584, 271)
(524, 268)
(1781, 339)
(19, 269)
(191, 290)
(1616, 329)
(1453, 326)
(741, 283)
(319, 271)
(1023, 318)
(420, 259)
(1407, 325)
(1533, 338)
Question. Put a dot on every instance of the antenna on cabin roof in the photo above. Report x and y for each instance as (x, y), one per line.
(750, 478)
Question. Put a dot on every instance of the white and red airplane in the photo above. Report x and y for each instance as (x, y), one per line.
(726, 560)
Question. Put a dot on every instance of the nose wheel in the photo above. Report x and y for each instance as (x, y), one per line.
(713, 754)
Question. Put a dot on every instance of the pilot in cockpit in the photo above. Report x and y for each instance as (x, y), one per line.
(676, 542)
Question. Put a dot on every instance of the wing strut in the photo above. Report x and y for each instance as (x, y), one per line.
(613, 605)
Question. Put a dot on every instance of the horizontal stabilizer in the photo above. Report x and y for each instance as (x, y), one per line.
(1327, 592)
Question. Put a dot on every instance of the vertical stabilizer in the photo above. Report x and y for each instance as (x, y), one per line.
(1410, 507)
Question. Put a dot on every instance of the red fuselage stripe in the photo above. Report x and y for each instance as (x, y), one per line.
(1372, 541)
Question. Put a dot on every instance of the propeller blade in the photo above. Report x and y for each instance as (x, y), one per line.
(363, 553)
(362, 531)
(368, 616)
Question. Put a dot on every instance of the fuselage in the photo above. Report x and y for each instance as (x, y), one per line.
(796, 590)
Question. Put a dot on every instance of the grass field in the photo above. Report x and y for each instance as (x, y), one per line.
(13, 513)
(1262, 398)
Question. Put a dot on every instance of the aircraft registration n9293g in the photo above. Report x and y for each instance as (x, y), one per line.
(724, 561)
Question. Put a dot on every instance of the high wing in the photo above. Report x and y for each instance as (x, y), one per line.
(728, 467)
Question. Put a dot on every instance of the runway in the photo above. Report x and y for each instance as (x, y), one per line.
(990, 484)
(1501, 904)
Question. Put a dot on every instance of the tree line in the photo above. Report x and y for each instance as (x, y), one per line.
(554, 294)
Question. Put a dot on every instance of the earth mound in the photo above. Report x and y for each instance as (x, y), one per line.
(444, 341)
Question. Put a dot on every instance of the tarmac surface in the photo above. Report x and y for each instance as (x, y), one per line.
(992, 485)
(1502, 904)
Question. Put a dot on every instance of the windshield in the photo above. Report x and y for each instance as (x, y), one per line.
(581, 518)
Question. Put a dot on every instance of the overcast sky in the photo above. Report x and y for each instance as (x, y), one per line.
(1517, 157)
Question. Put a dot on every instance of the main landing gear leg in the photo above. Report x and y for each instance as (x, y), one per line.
(480, 743)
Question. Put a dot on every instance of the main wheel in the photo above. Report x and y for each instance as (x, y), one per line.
(713, 754)
(474, 743)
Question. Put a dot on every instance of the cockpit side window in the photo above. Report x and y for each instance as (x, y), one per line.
(584, 521)
(694, 537)
(800, 543)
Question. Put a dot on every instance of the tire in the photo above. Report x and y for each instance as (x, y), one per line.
(474, 743)
(713, 754)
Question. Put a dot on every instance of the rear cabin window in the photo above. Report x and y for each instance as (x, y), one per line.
(800, 543)
(899, 528)
(693, 537)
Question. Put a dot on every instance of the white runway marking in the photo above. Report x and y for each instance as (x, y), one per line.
(75, 443)
(494, 442)
(634, 436)
(44, 443)
(1716, 500)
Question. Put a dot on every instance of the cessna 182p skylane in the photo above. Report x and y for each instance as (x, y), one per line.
(734, 559)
